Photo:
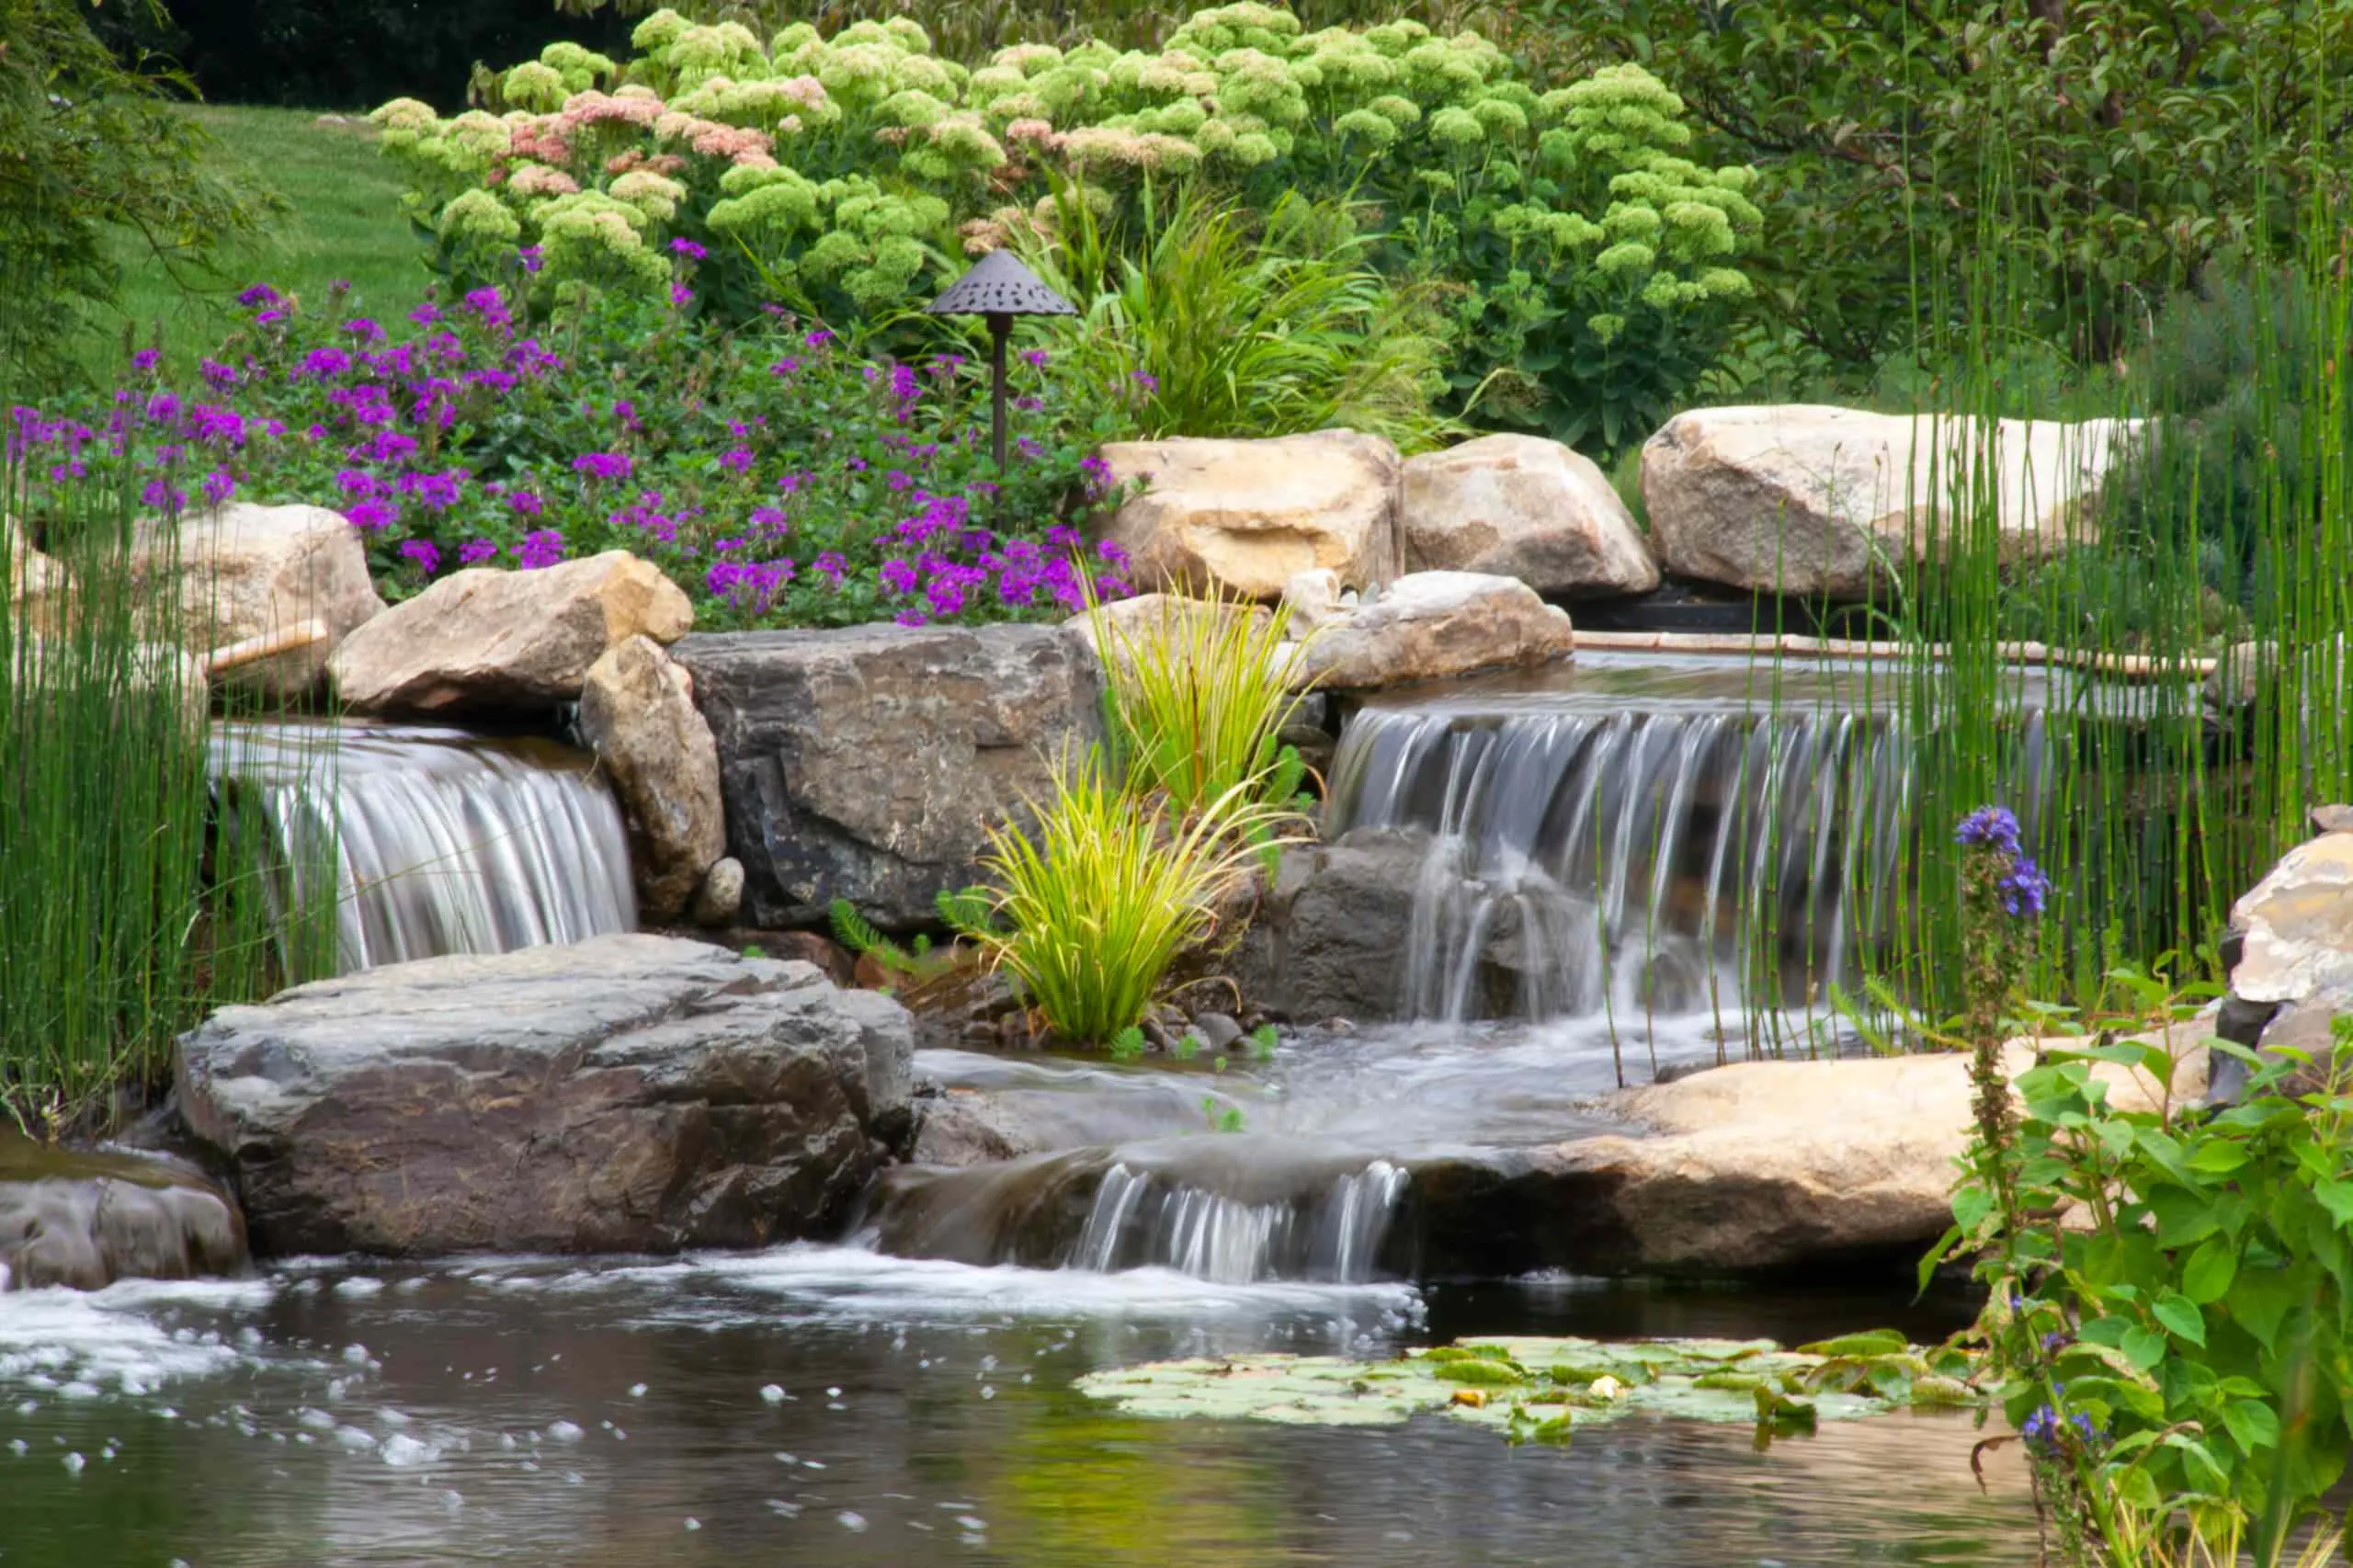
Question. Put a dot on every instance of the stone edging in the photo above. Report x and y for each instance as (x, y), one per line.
(2121, 666)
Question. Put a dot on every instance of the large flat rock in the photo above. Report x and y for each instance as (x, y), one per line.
(625, 1094)
(870, 763)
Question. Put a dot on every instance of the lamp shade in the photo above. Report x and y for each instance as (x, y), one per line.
(999, 285)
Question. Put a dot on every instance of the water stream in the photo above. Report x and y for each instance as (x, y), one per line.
(905, 1397)
(442, 841)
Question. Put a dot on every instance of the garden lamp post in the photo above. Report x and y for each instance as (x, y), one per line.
(999, 287)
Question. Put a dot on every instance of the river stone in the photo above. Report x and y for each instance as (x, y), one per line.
(86, 1218)
(1241, 517)
(720, 899)
(626, 1094)
(637, 711)
(248, 572)
(1527, 507)
(870, 763)
(1808, 501)
(489, 639)
(1756, 1168)
(1431, 625)
(2296, 925)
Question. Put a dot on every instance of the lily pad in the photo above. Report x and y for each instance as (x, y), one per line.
(1578, 1384)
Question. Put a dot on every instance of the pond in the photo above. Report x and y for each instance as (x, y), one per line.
(830, 1404)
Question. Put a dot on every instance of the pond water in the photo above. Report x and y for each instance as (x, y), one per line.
(828, 1404)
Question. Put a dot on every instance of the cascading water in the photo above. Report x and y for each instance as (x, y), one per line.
(1331, 1233)
(442, 841)
(1594, 848)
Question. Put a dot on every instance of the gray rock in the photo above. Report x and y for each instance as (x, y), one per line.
(1332, 932)
(870, 763)
(1218, 1031)
(84, 1219)
(625, 1094)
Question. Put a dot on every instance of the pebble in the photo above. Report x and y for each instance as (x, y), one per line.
(564, 1432)
(773, 1394)
(850, 1521)
(637, 1390)
(73, 1464)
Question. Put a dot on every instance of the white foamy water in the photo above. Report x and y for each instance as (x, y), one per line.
(116, 1341)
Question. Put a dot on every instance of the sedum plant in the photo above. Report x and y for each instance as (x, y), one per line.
(1594, 267)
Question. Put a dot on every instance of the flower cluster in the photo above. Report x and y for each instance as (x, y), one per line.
(2050, 1435)
(2019, 884)
(796, 482)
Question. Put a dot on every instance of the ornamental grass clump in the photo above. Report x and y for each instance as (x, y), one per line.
(1089, 909)
(1198, 696)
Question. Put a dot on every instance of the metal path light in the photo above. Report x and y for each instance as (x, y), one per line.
(999, 287)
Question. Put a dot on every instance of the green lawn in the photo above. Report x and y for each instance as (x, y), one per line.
(343, 221)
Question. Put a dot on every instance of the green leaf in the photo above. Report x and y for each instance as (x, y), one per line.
(2179, 1314)
(2208, 1275)
(2337, 1197)
(2253, 1425)
(2259, 1300)
(2144, 1347)
(2218, 1157)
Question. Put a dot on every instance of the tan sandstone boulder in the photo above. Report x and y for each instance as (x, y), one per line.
(2297, 924)
(1425, 626)
(1526, 507)
(252, 572)
(1242, 518)
(490, 638)
(1803, 499)
(637, 709)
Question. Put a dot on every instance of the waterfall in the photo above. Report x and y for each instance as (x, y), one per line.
(1141, 1219)
(1588, 853)
(442, 841)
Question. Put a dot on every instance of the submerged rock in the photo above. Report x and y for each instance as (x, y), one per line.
(1242, 518)
(625, 1094)
(1526, 507)
(870, 763)
(488, 639)
(84, 1219)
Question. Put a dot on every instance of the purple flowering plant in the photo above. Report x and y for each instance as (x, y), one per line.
(776, 474)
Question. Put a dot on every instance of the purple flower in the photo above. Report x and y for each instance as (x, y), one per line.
(425, 552)
(371, 514)
(945, 595)
(1097, 473)
(1112, 554)
(270, 316)
(259, 294)
(898, 576)
(1145, 380)
(425, 314)
(1990, 827)
(322, 364)
(602, 465)
(526, 503)
(358, 483)
(2024, 889)
(817, 338)
(531, 258)
(217, 374)
(363, 329)
(681, 295)
(1036, 358)
(688, 248)
(768, 520)
(163, 496)
(832, 566)
(433, 492)
(784, 366)
(218, 487)
(736, 460)
(146, 359)
(474, 552)
(544, 548)
(389, 446)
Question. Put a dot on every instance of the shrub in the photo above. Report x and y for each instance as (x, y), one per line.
(778, 476)
(1593, 268)
(1198, 698)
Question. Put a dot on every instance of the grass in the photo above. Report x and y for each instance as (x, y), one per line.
(341, 222)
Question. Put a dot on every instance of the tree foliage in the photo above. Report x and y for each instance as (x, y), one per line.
(89, 150)
(2115, 145)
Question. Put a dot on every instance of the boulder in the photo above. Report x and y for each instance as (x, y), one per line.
(1813, 501)
(2295, 926)
(870, 763)
(489, 639)
(1329, 938)
(1756, 1168)
(86, 1218)
(1435, 626)
(248, 572)
(626, 1094)
(637, 711)
(1240, 518)
(1526, 507)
